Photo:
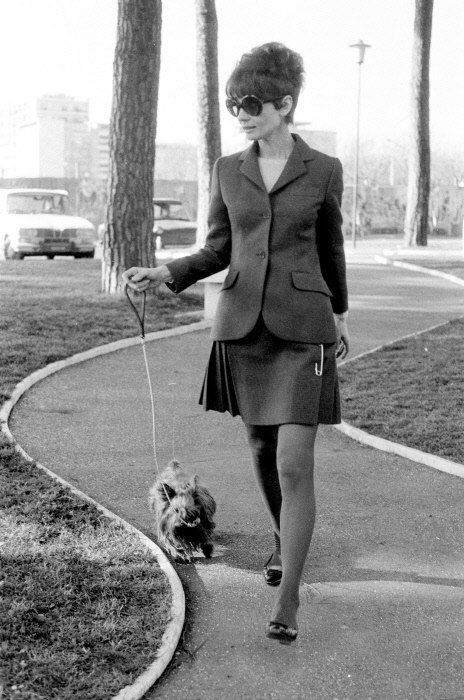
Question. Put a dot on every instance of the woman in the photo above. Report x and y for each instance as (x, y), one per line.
(275, 220)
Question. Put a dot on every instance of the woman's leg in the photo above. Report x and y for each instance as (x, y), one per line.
(263, 445)
(295, 464)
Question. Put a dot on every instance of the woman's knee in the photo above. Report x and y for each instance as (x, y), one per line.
(293, 471)
(295, 455)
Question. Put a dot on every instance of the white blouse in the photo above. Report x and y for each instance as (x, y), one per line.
(271, 169)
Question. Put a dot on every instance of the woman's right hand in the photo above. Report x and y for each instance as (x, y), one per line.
(140, 278)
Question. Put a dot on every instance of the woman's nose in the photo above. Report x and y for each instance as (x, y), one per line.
(243, 116)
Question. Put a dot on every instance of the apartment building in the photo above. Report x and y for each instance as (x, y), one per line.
(44, 136)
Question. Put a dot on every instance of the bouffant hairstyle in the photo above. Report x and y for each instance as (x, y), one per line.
(268, 71)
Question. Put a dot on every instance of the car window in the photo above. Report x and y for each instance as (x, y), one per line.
(171, 211)
(24, 203)
(161, 212)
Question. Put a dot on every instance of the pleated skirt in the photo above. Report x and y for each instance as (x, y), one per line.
(270, 381)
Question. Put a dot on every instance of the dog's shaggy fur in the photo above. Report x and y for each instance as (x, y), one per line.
(184, 513)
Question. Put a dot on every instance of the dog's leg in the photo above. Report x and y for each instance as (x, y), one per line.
(176, 554)
(207, 549)
(176, 551)
(166, 544)
(183, 557)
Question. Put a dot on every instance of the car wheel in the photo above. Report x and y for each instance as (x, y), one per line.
(50, 256)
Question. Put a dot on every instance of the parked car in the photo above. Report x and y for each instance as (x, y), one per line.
(173, 226)
(36, 222)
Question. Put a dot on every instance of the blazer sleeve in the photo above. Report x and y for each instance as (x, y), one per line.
(329, 239)
(215, 255)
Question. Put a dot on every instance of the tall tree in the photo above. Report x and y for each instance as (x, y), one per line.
(129, 236)
(209, 126)
(417, 209)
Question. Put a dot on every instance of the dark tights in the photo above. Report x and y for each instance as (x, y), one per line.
(262, 440)
(283, 459)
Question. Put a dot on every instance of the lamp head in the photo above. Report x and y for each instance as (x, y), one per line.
(361, 46)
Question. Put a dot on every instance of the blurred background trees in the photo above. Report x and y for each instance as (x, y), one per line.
(400, 191)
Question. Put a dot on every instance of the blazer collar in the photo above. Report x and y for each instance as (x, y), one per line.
(294, 167)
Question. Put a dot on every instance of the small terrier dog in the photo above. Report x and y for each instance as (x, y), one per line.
(184, 513)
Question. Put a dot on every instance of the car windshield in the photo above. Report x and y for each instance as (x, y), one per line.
(37, 203)
(171, 210)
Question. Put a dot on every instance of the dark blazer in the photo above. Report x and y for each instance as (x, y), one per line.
(284, 248)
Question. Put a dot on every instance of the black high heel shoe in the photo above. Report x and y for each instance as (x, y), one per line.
(282, 633)
(272, 574)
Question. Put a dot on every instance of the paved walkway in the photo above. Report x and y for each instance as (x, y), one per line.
(383, 597)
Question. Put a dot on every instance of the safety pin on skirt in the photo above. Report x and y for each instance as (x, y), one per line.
(321, 369)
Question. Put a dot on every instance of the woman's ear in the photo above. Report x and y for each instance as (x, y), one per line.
(286, 104)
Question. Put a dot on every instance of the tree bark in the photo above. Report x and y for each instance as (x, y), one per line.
(417, 208)
(209, 127)
(128, 238)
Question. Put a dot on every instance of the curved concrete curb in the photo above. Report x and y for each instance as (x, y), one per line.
(175, 625)
(425, 458)
(385, 260)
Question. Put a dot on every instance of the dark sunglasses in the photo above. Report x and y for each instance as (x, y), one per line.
(250, 104)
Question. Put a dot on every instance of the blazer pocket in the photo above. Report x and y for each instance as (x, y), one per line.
(308, 283)
(230, 280)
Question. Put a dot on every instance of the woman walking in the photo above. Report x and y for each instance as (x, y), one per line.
(275, 221)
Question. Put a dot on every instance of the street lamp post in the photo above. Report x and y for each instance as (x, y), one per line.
(361, 46)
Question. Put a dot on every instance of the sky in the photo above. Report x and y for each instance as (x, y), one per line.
(67, 46)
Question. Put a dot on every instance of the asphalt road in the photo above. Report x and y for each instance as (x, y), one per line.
(383, 597)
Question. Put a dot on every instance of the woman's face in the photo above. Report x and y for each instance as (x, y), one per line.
(264, 125)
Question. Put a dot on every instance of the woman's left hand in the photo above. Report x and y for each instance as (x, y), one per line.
(343, 338)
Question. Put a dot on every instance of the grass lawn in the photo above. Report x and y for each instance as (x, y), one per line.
(422, 405)
(51, 309)
(83, 606)
(411, 392)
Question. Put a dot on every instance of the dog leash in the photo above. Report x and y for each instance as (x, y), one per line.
(141, 321)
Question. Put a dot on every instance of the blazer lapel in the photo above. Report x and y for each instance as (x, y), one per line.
(250, 167)
(295, 165)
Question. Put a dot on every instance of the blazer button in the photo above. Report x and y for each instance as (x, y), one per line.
(265, 215)
(261, 254)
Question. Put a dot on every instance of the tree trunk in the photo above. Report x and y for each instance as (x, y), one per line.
(128, 238)
(417, 208)
(209, 127)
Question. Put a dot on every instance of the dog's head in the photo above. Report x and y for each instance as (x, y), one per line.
(181, 507)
